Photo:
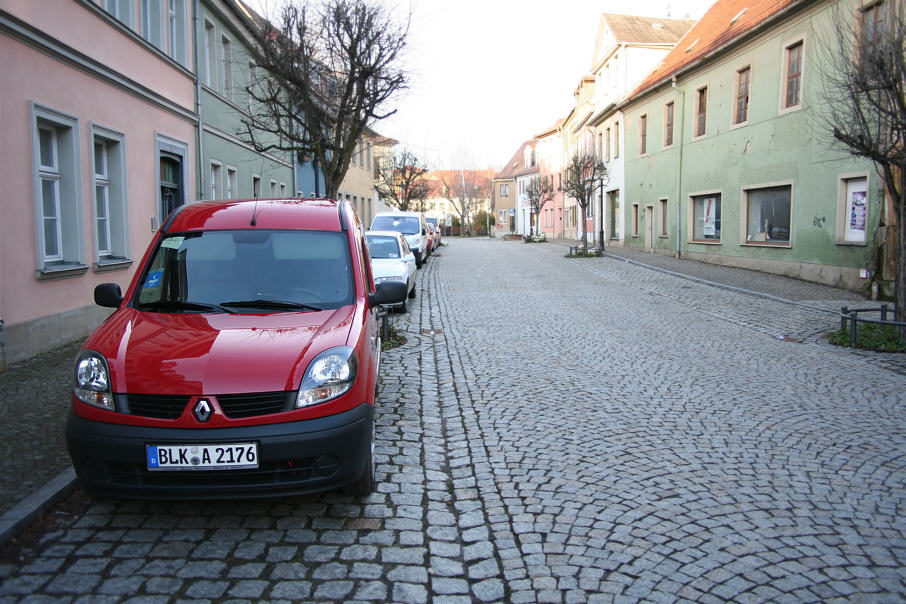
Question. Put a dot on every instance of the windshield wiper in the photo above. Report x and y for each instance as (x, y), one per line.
(184, 305)
(272, 304)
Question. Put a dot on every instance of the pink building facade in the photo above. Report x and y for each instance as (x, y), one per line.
(100, 144)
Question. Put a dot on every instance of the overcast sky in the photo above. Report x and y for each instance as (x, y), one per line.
(490, 74)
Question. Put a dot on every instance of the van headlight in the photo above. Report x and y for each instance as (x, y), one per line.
(91, 380)
(331, 374)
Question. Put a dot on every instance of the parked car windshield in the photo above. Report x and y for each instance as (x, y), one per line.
(247, 271)
(383, 246)
(407, 225)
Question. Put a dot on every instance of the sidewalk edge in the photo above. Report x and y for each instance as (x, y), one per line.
(32, 506)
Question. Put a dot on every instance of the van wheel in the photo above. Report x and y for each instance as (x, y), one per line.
(412, 292)
(364, 484)
(403, 307)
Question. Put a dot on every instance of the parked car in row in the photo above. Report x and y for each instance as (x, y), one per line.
(392, 261)
(412, 225)
(241, 361)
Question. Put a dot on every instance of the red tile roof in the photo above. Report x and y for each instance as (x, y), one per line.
(724, 22)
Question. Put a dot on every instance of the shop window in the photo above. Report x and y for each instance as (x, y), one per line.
(768, 211)
(706, 218)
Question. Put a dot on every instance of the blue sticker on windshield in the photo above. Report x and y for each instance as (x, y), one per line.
(154, 279)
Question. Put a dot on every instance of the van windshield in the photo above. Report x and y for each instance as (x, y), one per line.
(407, 225)
(247, 271)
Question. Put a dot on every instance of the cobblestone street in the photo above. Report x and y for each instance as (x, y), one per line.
(556, 430)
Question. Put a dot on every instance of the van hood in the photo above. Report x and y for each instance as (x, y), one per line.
(193, 354)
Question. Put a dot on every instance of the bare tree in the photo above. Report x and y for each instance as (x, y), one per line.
(584, 172)
(466, 190)
(540, 190)
(328, 71)
(401, 181)
(865, 94)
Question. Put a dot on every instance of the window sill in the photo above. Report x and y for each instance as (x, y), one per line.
(783, 244)
(111, 264)
(852, 243)
(61, 270)
(706, 242)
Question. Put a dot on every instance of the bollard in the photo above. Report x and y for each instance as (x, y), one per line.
(385, 326)
(843, 312)
(883, 312)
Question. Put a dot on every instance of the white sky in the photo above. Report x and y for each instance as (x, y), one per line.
(487, 75)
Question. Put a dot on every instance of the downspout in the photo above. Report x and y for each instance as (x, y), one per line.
(679, 172)
(199, 136)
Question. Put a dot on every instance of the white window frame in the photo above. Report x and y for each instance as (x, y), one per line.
(696, 111)
(226, 64)
(784, 75)
(282, 190)
(113, 181)
(210, 54)
(845, 214)
(273, 189)
(216, 179)
(152, 22)
(231, 182)
(643, 134)
(256, 186)
(662, 217)
(669, 125)
(121, 10)
(175, 21)
(66, 175)
(734, 106)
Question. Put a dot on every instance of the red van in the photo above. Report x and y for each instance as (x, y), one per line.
(242, 360)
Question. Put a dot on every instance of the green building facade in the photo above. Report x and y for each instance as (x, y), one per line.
(727, 160)
(228, 167)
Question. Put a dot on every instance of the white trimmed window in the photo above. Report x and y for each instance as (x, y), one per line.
(232, 183)
(643, 134)
(273, 189)
(210, 55)
(662, 217)
(226, 58)
(151, 22)
(792, 85)
(852, 213)
(282, 190)
(743, 84)
(256, 186)
(111, 231)
(176, 30)
(121, 10)
(668, 124)
(701, 111)
(58, 199)
(216, 180)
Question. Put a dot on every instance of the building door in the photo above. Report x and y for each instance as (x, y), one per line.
(171, 188)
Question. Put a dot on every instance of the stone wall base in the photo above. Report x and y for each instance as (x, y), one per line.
(22, 341)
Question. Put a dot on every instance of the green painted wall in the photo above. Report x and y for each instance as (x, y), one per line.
(774, 146)
(222, 115)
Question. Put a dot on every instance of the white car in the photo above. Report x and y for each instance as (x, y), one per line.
(392, 260)
(412, 225)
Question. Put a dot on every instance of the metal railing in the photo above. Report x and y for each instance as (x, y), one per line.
(851, 315)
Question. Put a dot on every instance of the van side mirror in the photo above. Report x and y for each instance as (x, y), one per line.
(108, 294)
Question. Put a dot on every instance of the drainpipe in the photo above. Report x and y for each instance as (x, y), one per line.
(679, 172)
(199, 136)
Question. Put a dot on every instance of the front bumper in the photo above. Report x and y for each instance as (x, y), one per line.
(294, 458)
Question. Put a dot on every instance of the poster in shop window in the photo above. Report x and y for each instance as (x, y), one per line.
(856, 209)
(709, 228)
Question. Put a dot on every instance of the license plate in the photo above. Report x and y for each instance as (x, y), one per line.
(232, 456)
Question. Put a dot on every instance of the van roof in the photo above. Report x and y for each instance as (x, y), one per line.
(308, 214)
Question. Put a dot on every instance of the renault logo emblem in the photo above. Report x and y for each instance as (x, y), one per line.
(202, 410)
